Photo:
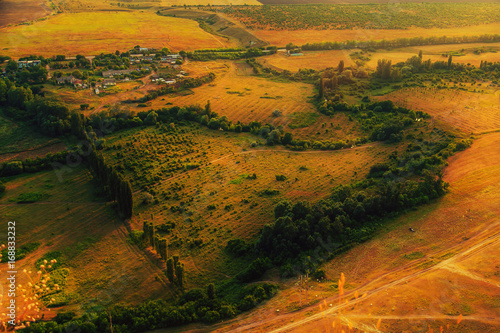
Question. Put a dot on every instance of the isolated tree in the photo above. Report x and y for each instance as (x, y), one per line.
(179, 272)
(170, 270)
(287, 138)
(450, 59)
(211, 291)
(420, 54)
(341, 66)
(384, 68)
(208, 109)
(125, 200)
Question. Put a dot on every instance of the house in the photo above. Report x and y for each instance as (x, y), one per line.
(112, 73)
(109, 82)
(174, 56)
(66, 79)
(97, 90)
(155, 77)
(170, 82)
(180, 75)
(77, 83)
(28, 63)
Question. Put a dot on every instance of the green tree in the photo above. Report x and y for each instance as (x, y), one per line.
(211, 291)
(287, 138)
(125, 199)
(450, 59)
(17, 96)
(341, 66)
(170, 270)
(179, 272)
(208, 109)
(11, 66)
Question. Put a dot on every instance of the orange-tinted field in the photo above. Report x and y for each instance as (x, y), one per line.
(92, 33)
(435, 53)
(104, 268)
(240, 209)
(463, 110)
(301, 37)
(317, 60)
(413, 281)
(18, 11)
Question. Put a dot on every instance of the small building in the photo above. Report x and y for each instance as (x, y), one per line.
(154, 77)
(109, 82)
(170, 82)
(28, 63)
(66, 79)
(112, 73)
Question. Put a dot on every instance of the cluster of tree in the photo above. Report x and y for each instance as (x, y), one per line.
(112, 61)
(175, 269)
(186, 83)
(197, 305)
(50, 117)
(400, 42)
(205, 55)
(353, 212)
(302, 75)
(118, 188)
(366, 16)
(33, 165)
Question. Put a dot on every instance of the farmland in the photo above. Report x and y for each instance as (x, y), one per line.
(301, 37)
(472, 112)
(224, 181)
(18, 11)
(75, 224)
(97, 32)
(223, 165)
(374, 16)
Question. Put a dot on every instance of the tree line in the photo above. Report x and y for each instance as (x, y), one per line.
(401, 42)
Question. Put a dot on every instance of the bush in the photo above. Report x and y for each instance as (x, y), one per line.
(237, 247)
(12, 168)
(256, 269)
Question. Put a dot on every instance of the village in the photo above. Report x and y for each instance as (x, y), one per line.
(104, 71)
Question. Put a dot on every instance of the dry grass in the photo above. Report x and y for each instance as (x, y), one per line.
(315, 60)
(224, 183)
(455, 277)
(101, 32)
(300, 37)
(435, 53)
(103, 267)
(244, 98)
(18, 11)
(463, 110)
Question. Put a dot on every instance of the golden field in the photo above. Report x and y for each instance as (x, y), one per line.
(301, 37)
(91, 33)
